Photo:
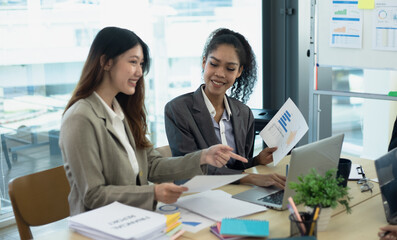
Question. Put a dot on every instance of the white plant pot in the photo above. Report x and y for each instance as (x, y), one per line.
(323, 218)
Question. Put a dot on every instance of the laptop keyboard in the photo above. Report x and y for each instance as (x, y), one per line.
(276, 198)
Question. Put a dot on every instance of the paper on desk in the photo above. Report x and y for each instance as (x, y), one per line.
(217, 204)
(191, 222)
(354, 175)
(201, 183)
(285, 130)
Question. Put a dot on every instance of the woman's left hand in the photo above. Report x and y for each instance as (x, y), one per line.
(218, 155)
(266, 156)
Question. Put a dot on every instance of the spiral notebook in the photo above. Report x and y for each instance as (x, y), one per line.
(245, 227)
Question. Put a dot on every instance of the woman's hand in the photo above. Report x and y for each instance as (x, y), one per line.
(168, 192)
(218, 155)
(265, 180)
(388, 232)
(265, 156)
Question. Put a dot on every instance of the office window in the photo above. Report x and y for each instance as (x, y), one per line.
(366, 121)
(43, 46)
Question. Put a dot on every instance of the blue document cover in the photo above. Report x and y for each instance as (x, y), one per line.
(245, 227)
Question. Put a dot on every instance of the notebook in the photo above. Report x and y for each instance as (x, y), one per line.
(244, 227)
(322, 155)
(215, 231)
(386, 169)
(296, 238)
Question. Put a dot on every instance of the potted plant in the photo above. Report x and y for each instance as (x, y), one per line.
(314, 189)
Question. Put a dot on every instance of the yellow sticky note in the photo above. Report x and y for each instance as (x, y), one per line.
(171, 218)
(366, 4)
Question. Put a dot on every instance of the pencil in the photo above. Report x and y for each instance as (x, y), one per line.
(316, 211)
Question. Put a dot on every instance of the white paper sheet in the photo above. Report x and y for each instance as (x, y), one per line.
(285, 130)
(217, 204)
(201, 183)
(354, 173)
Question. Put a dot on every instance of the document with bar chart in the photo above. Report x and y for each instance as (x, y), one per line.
(285, 130)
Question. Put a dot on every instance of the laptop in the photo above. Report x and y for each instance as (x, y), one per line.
(386, 169)
(322, 155)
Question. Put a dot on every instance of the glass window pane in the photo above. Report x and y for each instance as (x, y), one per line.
(44, 44)
(366, 123)
(365, 118)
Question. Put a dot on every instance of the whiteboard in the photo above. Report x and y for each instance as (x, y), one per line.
(366, 57)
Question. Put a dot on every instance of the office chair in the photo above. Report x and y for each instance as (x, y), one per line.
(39, 198)
(165, 151)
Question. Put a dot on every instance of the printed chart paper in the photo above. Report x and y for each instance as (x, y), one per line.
(346, 25)
(384, 33)
(285, 130)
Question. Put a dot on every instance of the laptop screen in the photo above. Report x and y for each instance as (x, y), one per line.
(386, 169)
(321, 155)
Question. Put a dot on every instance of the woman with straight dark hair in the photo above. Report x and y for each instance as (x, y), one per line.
(103, 134)
(209, 116)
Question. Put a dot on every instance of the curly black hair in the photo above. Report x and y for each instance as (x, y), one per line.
(243, 86)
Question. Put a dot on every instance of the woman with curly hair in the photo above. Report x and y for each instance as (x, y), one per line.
(208, 116)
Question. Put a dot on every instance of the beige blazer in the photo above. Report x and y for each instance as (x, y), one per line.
(97, 165)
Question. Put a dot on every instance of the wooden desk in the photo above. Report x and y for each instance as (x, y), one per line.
(363, 223)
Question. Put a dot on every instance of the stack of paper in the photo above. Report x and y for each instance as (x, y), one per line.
(119, 221)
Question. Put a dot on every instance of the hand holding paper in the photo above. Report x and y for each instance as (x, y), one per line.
(285, 130)
(168, 192)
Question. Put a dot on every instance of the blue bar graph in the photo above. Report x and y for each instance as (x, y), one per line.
(284, 119)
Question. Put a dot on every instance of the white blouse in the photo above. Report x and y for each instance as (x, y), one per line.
(116, 119)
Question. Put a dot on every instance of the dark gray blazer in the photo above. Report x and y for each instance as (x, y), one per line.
(98, 167)
(189, 128)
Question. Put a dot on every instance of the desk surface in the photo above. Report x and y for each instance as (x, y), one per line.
(363, 223)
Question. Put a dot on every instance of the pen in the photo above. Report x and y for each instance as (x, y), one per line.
(297, 215)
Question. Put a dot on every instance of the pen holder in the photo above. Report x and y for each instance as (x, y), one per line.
(310, 225)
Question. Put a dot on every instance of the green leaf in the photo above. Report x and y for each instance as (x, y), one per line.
(314, 189)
